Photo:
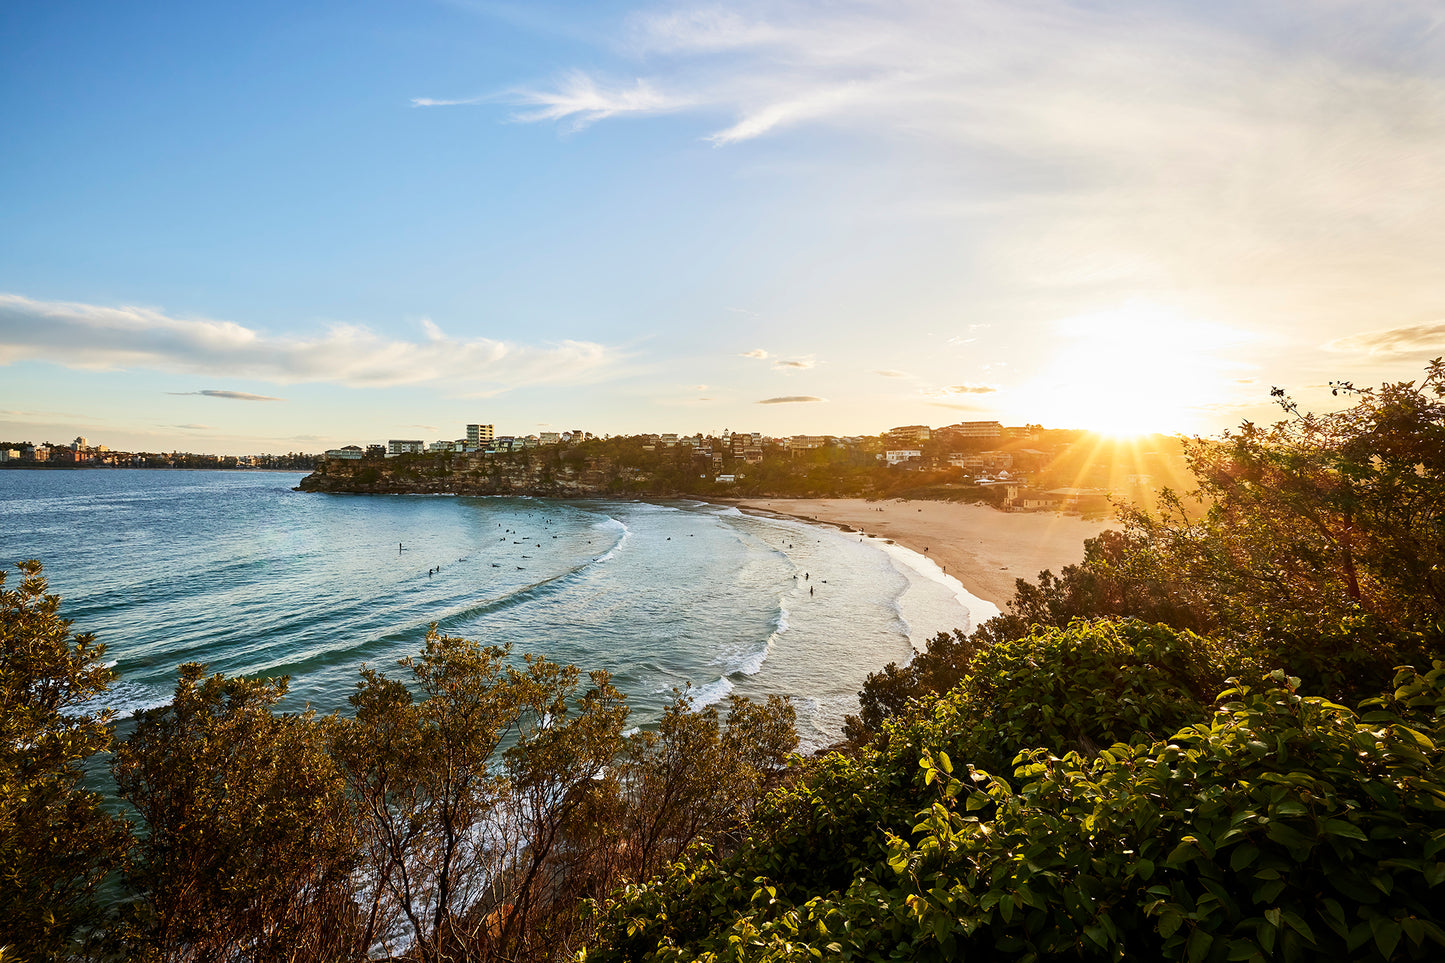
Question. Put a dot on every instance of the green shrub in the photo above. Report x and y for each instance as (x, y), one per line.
(1287, 827)
(1091, 684)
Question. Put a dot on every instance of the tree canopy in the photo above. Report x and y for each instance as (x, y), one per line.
(57, 843)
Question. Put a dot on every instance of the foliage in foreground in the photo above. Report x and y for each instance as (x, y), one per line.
(56, 842)
(246, 849)
(462, 813)
(1286, 827)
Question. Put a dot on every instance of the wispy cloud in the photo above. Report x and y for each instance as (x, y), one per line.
(950, 396)
(1402, 342)
(460, 102)
(957, 406)
(1320, 123)
(758, 353)
(949, 390)
(231, 395)
(790, 400)
(794, 364)
(890, 373)
(190, 427)
(581, 100)
(98, 337)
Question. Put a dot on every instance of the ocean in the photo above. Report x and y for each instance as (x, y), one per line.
(240, 572)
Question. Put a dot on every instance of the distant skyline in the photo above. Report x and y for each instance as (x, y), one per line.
(265, 227)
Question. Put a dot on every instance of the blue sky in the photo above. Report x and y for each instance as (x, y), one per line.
(271, 227)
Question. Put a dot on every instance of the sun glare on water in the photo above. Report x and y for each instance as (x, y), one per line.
(1134, 370)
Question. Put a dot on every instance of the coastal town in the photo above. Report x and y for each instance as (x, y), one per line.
(1021, 468)
(1018, 468)
(81, 453)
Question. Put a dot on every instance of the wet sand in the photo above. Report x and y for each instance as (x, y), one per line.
(985, 549)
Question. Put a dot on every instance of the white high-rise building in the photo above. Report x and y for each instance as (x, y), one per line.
(480, 436)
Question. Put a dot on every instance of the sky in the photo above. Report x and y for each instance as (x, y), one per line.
(267, 227)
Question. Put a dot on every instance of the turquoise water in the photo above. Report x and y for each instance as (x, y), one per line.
(237, 570)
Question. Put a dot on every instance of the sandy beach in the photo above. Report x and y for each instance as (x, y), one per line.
(985, 549)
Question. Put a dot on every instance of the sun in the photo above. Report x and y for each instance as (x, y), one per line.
(1132, 371)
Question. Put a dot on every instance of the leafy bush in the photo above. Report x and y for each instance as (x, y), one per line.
(1287, 827)
(56, 842)
(1091, 684)
(1088, 685)
(250, 846)
(461, 814)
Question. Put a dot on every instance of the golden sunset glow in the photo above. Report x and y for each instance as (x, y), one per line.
(1134, 370)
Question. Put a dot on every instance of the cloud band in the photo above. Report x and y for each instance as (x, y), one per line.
(91, 336)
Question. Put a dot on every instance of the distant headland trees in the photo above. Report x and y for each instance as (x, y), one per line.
(1021, 468)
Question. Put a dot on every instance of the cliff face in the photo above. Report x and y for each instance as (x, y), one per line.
(552, 474)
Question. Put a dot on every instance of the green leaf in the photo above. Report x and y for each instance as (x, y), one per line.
(1198, 946)
(1340, 827)
(1299, 925)
(1387, 934)
(1287, 836)
(1243, 950)
(1242, 856)
(1183, 852)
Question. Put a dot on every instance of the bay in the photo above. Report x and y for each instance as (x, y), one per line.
(240, 572)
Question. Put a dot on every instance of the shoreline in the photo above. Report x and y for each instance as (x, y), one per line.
(979, 610)
(979, 548)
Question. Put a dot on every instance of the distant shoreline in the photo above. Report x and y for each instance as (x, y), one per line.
(41, 466)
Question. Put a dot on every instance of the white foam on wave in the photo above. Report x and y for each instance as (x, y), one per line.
(711, 693)
(976, 610)
(122, 699)
(626, 536)
(751, 663)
